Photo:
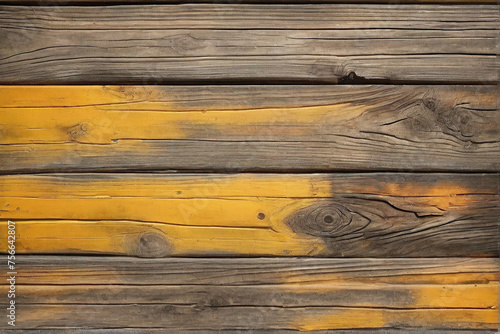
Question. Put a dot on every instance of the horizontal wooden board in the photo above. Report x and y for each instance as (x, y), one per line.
(364, 215)
(102, 270)
(269, 293)
(253, 128)
(172, 317)
(318, 43)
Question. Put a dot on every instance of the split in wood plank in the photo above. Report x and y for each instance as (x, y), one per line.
(300, 294)
(317, 43)
(306, 128)
(370, 215)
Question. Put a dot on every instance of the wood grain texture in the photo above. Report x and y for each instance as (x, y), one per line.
(371, 215)
(252, 128)
(387, 252)
(248, 43)
(243, 294)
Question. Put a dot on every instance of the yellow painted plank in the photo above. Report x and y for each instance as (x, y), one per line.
(253, 214)
(101, 115)
(155, 240)
(185, 186)
(175, 317)
(60, 128)
(363, 318)
(397, 296)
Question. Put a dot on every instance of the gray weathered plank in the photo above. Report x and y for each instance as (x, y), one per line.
(253, 294)
(248, 43)
(118, 270)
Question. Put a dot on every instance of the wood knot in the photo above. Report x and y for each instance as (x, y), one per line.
(77, 131)
(461, 121)
(464, 122)
(217, 300)
(326, 219)
(430, 103)
(152, 245)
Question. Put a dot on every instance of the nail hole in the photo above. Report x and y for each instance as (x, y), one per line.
(261, 216)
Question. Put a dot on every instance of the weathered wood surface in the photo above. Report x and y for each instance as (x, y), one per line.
(364, 215)
(248, 43)
(232, 294)
(264, 128)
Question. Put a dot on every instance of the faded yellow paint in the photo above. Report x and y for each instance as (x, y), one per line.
(427, 199)
(99, 116)
(84, 125)
(375, 318)
(454, 278)
(232, 212)
(123, 237)
(236, 215)
(437, 295)
(189, 226)
(197, 214)
(341, 319)
(466, 295)
(442, 196)
(56, 213)
(79, 96)
(169, 186)
(333, 279)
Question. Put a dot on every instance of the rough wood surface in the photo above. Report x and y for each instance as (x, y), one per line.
(383, 251)
(248, 43)
(240, 294)
(370, 215)
(264, 128)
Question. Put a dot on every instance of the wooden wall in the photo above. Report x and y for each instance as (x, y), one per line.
(178, 166)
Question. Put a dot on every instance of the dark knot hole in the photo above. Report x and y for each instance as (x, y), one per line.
(328, 219)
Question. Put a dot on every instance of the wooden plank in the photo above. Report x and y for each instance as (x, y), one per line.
(173, 317)
(253, 128)
(102, 270)
(364, 215)
(318, 43)
(269, 293)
